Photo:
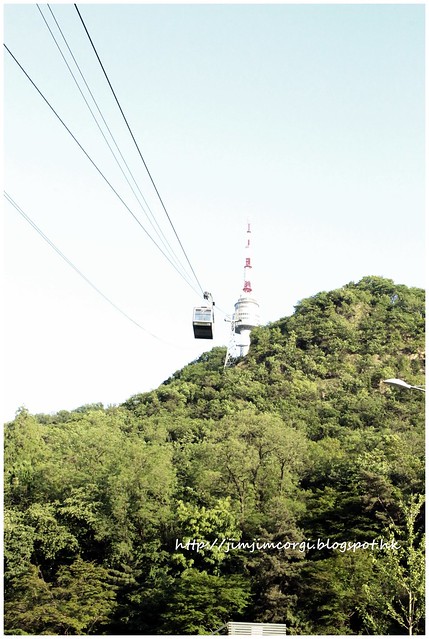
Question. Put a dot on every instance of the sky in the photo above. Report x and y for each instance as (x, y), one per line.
(305, 119)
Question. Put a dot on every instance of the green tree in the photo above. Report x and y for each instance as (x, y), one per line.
(400, 569)
(209, 526)
(80, 601)
(201, 603)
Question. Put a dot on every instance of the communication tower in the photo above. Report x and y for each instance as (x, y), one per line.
(246, 314)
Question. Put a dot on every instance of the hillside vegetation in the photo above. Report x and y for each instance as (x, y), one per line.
(299, 445)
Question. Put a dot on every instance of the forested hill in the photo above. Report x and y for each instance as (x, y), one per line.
(300, 441)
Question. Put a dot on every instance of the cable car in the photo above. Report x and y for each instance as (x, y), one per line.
(203, 320)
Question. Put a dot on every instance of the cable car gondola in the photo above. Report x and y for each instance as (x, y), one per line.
(203, 320)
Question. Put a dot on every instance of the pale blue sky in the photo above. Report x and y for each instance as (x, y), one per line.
(306, 119)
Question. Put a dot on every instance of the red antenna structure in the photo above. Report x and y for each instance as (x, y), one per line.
(247, 288)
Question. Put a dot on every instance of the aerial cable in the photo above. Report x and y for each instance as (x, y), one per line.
(159, 232)
(96, 167)
(161, 237)
(66, 259)
(136, 145)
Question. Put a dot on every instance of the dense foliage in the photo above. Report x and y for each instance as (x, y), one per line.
(298, 442)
